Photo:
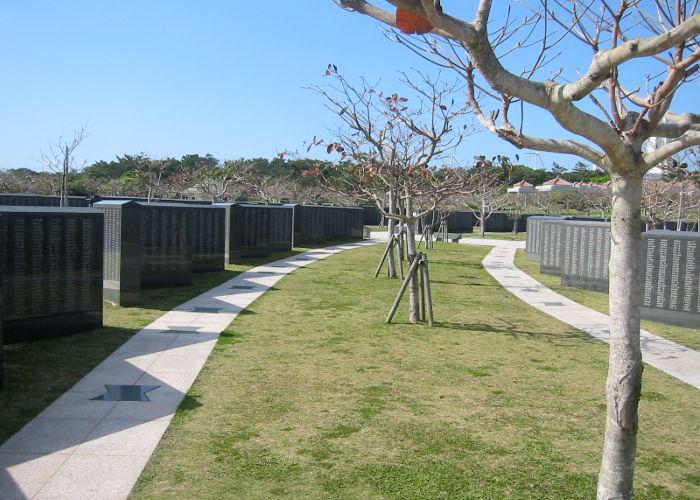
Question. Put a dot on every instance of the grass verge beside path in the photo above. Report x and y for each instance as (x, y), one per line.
(598, 301)
(493, 236)
(36, 373)
(312, 396)
(497, 236)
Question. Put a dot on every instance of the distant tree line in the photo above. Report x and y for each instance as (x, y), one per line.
(207, 177)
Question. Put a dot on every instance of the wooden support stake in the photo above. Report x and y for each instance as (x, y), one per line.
(428, 292)
(421, 287)
(386, 253)
(402, 290)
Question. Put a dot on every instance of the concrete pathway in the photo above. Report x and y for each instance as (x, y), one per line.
(84, 448)
(676, 360)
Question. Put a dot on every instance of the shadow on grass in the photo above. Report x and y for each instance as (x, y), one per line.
(513, 331)
(165, 299)
(37, 372)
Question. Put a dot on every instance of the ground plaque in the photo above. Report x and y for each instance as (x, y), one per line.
(52, 271)
(671, 279)
(586, 253)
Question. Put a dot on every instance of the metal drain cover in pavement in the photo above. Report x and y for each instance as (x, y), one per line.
(264, 272)
(552, 304)
(242, 287)
(126, 393)
(199, 309)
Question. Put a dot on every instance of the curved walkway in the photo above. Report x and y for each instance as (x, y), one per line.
(676, 360)
(80, 447)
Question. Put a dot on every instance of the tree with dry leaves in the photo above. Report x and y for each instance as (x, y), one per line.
(394, 144)
(605, 114)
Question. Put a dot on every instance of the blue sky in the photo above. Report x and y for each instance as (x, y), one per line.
(176, 77)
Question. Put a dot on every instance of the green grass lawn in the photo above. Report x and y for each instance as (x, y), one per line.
(497, 236)
(598, 301)
(494, 236)
(36, 373)
(311, 395)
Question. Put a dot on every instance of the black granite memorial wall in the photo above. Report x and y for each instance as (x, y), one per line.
(586, 253)
(40, 200)
(52, 271)
(533, 240)
(552, 246)
(97, 199)
(2, 359)
(146, 246)
(371, 216)
(459, 221)
(254, 230)
(671, 263)
(206, 234)
(321, 223)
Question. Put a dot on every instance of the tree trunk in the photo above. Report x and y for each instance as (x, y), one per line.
(64, 181)
(482, 220)
(625, 363)
(413, 309)
(392, 225)
(680, 208)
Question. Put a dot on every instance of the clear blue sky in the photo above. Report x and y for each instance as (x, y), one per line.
(176, 77)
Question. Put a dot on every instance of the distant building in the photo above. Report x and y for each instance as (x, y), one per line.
(522, 187)
(556, 184)
(586, 186)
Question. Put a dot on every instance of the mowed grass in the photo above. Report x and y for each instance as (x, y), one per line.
(36, 373)
(689, 337)
(312, 396)
(496, 236)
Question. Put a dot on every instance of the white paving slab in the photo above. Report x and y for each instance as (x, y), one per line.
(675, 359)
(79, 448)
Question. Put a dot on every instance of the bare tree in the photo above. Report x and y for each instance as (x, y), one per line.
(151, 174)
(605, 113)
(389, 145)
(543, 201)
(599, 199)
(485, 189)
(59, 158)
(211, 179)
(516, 205)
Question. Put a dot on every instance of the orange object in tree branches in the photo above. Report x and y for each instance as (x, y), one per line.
(411, 23)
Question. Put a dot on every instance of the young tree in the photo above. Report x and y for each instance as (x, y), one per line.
(599, 199)
(485, 188)
(209, 178)
(605, 131)
(516, 205)
(151, 174)
(60, 158)
(388, 144)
